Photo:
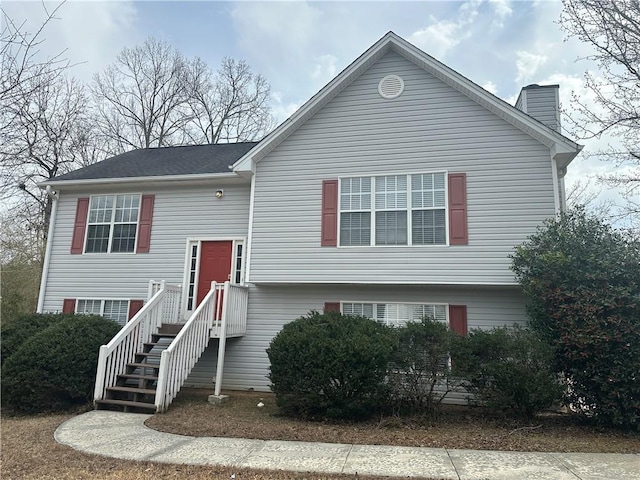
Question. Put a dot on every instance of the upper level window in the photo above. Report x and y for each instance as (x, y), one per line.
(112, 224)
(393, 210)
(396, 314)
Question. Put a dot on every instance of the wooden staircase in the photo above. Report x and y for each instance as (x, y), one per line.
(135, 390)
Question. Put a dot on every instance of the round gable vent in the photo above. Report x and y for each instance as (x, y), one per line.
(390, 86)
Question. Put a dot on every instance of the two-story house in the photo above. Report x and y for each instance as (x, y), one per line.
(397, 191)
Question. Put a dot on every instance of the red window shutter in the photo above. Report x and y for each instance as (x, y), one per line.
(134, 307)
(69, 305)
(332, 307)
(329, 213)
(458, 318)
(80, 226)
(458, 234)
(144, 227)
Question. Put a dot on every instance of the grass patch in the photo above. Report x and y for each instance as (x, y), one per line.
(457, 427)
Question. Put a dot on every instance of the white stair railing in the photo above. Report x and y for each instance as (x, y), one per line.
(177, 361)
(163, 306)
(235, 299)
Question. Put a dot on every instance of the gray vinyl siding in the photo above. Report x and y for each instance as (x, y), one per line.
(271, 307)
(179, 213)
(430, 127)
(541, 103)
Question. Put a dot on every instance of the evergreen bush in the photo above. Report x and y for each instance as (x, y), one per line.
(55, 369)
(508, 369)
(330, 366)
(420, 374)
(15, 332)
(581, 280)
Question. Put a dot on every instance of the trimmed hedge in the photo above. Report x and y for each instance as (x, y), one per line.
(331, 366)
(21, 329)
(420, 375)
(55, 369)
(508, 369)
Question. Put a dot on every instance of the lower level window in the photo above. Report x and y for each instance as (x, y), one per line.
(117, 310)
(396, 314)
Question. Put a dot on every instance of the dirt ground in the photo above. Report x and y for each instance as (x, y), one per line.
(458, 427)
(30, 452)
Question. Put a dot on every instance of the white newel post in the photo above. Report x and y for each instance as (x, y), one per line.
(98, 391)
(223, 340)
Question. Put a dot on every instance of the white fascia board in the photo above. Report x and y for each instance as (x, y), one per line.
(563, 156)
(187, 179)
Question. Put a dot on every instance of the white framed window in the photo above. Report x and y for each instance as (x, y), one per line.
(405, 209)
(238, 263)
(112, 225)
(396, 314)
(117, 310)
(355, 211)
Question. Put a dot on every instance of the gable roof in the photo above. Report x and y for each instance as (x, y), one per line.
(215, 159)
(562, 148)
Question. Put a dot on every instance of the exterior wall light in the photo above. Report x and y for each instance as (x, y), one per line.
(219, 193)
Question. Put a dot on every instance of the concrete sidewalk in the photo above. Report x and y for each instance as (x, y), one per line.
(124, 435)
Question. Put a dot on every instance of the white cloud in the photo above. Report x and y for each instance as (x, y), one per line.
(441, 36)
(282, 110)
(528, 64)
(285, 27)
(502, 10)
(325, 68)
(89, 34)
(490, 87)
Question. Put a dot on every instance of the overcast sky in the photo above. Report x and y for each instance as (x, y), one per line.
(299, 46)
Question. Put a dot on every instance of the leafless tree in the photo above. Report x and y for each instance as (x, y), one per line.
(586, 193)
(612, 28)
(153, 96)
(22, 63)
(48, 136)
(142, 98)
(232, 106)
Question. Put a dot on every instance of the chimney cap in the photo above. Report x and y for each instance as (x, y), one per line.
(535, 85)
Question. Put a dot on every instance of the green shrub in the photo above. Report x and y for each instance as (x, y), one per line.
(330, 366)
(420, 375)
(508, 369)
(581, 282)
(17, 331)
(55, 369)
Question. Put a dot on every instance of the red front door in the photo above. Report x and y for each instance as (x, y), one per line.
(215, 265)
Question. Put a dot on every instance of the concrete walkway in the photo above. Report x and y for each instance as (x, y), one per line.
(124, 435)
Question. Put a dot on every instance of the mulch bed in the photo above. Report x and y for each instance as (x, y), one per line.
(457, 427)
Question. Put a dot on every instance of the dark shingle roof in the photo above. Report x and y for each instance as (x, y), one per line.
(152, 162)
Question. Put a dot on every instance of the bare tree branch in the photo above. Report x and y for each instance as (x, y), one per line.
(612, 28)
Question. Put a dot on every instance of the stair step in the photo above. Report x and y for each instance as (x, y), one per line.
(137, 376)
(155, 366)
(158, 336)
(171, 328)
(127, 403)
(149, 354)
(144, 391)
